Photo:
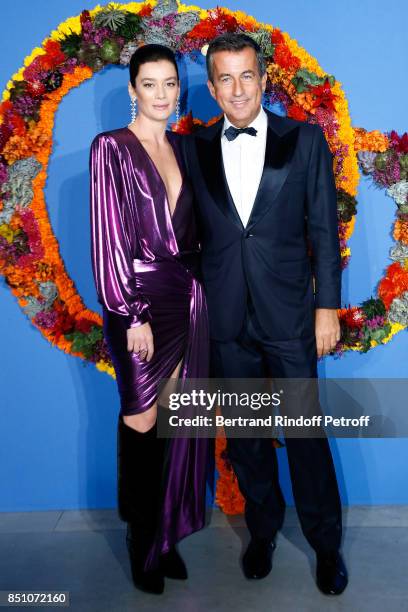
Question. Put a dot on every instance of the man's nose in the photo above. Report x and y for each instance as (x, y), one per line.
(237, 89)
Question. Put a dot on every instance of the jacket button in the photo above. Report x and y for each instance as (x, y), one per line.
(247, 234)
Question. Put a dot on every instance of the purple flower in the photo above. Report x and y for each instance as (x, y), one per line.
(25, 105)
(33, 72)
(3, 172)
(327, 121)
(278, 96)
(101, 352)
(69, 66)
(8, 251)
(46, 319)
(377, 321)
(99, 35)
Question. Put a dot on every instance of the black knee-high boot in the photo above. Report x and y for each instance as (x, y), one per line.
(140, 466)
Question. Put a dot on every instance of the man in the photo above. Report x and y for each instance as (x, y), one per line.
(265, 190)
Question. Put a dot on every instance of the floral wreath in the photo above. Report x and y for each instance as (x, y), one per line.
(83, 45)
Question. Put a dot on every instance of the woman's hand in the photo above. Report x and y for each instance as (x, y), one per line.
(140, 341)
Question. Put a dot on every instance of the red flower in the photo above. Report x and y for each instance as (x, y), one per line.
(353, 317)
(204, 29)
(186, 124)
(65, 323)
(400, 143)
(227, 23)
(323, 95)
(85, 18)
(5, 133)
(282, 55)
(216, 23)
(277, 37)
(145, 11)
(17, 124)
(5, 106)
(53, 55)
(84, 325)
(35, 89)
(297, 112)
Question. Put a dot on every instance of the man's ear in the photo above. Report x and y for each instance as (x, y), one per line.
(264, 80)
(211, 88)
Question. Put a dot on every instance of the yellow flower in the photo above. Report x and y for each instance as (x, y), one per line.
(132, 7)
(97, 9)
(69, 26)
(18, 76)
(104, 367)
(396, 327)
(34, 53)
(186, 8)
(6, 232)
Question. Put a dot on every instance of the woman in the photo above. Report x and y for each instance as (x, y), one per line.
(144, 259)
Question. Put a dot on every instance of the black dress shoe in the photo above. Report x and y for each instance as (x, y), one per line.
(331, 573)
(172, 565)
(257, 559)
(150, 581)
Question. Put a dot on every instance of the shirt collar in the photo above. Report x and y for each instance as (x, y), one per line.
(260, 123)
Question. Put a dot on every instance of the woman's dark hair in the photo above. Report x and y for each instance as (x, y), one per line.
(233, 42)
(150, 53)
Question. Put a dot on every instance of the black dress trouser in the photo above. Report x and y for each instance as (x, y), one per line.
(314, 483)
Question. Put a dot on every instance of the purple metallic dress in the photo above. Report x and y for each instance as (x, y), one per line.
(144, 262)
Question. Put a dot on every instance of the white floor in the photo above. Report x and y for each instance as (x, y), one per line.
(84, 552)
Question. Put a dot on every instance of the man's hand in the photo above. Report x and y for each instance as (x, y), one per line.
(327, 329)
(140, 341)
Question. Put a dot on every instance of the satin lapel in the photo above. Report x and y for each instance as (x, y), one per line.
(212, 168)
(278, 161)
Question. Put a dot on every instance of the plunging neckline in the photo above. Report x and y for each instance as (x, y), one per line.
(159, 175)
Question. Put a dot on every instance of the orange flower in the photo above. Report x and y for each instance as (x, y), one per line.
(370, 141)
(228, 496)
(394, 283)
(401, 231)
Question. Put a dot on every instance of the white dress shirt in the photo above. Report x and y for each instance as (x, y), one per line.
(243, 160)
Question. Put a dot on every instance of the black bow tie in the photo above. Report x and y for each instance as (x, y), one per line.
(232, 132)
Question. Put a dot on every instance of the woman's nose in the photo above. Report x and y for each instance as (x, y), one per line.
(160, 92)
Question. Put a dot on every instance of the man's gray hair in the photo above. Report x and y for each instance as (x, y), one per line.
(233, 42)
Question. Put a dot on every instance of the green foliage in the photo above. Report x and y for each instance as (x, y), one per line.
(85, 343)
(71, 45)
(110, 18)
(377, 335)
(263, 38)
(346, 205)
(131, 27)
(373, 307)
(304, 79)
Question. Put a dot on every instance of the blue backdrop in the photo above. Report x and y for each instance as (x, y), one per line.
(58, 416)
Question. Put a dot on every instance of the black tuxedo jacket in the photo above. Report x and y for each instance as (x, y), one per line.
(295, 209)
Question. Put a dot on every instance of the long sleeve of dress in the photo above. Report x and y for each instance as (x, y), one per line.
(112, 246)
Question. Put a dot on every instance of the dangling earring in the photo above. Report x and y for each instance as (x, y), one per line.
(133, 108)
(177, 111)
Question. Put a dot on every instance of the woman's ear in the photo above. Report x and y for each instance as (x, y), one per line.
(131, 90)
